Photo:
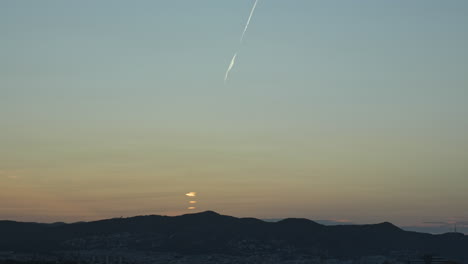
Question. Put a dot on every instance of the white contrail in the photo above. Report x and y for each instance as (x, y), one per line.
(230, 67)
(233, 61)
(248, 21)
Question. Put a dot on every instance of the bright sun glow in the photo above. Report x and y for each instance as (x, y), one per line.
(191, 194)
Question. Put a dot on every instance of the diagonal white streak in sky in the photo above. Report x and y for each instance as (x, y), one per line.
(230, 67)
(233, 61)
(248, 21)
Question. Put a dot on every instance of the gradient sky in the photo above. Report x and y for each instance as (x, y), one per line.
(342, 110)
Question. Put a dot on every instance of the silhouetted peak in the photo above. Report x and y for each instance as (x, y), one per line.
(205, 214)
(388, 226)
(209, 213)
(297, 221)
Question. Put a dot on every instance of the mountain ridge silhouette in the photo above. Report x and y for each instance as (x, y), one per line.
(211, 232)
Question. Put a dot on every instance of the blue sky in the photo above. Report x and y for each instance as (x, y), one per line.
(334, 109)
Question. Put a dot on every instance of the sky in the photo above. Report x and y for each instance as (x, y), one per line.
(339, 110)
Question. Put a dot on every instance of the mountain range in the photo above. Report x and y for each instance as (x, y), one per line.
(210, 232)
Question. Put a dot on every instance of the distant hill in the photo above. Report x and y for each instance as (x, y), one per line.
(210, 232)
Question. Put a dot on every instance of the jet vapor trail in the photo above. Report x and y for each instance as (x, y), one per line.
(248, 21)
(233, 61)
(230, 67)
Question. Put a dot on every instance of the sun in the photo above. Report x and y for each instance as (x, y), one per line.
(191, 194)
